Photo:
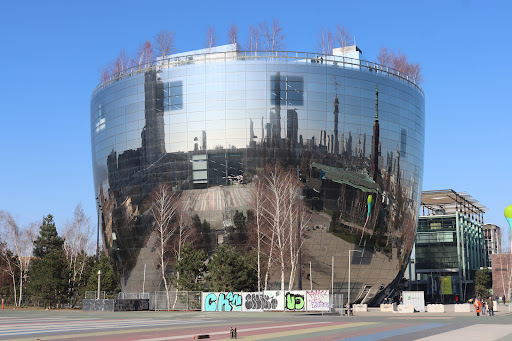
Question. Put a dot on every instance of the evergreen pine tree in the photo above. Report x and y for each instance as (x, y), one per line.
(48, 239)
(191, 268)
(230, 271)
(48, 273)
(110, 281)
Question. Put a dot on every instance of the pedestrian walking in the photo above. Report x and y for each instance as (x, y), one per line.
(490, 307)
(478, 306)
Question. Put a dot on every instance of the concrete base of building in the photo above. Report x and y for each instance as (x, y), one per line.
(360, 308)
(406, 308)
(388, 308)
(435, 308)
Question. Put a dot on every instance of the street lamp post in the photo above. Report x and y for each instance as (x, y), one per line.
(298, 232)
(332, 276)
(99, 283)
(349, 261)
(98, 231)
(310, 277)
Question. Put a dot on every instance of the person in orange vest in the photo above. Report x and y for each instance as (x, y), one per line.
(478, 306)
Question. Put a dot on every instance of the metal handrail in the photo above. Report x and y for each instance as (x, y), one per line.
(279, 56)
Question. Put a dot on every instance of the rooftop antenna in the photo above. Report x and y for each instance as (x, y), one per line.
(336, 85)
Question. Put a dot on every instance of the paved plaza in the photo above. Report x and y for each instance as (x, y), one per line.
(160, 326)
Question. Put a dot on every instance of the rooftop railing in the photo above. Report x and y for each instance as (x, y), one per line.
(280, 56)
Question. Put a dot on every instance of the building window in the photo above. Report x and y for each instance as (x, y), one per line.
(100, 119)
(173, 99)
(403, 143)
(286, 90)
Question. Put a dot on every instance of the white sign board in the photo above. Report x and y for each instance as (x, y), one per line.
(414, 298)
(317, 300)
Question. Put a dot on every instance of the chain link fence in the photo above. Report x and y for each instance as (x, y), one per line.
(93, 295)
(28, 302)
(177, 300)
(336, 302)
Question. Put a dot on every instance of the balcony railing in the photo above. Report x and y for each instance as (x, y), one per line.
(264, 56)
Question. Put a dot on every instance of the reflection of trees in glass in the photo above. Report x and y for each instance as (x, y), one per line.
(162, 209)
(278, 209)
(203, 231)
(191, 266)
(229, 270)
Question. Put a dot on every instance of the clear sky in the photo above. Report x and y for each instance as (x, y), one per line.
(51, 54)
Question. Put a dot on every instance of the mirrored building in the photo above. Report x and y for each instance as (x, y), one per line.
(207, 122)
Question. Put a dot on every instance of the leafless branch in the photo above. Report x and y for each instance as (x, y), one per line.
(400, 62)
(163, 207)
(273, 36)
(325, 41)
(145, 53)
(164, 42)
(211, 37)
(254, 38)
(233, 35)
(343, 37)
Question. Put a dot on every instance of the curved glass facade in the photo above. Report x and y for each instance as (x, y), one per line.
(205, 124)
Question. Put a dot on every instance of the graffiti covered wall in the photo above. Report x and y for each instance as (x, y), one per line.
(295, 300)
(270, 300)
(317, 300)
(221, 301)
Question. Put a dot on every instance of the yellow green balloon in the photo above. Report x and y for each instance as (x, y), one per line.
(508, 212)
(370, 198)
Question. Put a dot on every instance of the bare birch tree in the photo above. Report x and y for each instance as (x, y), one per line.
(384, 56)
(277, 212)
(163, 207)
(119, 64)
(278, 208)
(145, 53)
(185, 233)
(343, 36)
(258, 201)
(211, 37)
(20, 241)
(325, 41)
(273, 36)
(233, 35)
(77, 245)
(254, 39)
(105, 74)
(295, 228)
(400, 62)
(164, 42)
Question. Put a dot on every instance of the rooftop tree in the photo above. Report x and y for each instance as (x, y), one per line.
(400, 62)
(164, 42)
(273, 35)
(211, 37)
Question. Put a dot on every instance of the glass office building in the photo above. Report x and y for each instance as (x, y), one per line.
(449, 246)
(207, 122)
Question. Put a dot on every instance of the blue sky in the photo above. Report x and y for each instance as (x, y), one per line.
(52, 53)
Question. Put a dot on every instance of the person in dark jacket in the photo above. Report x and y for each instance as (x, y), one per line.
(490, 307)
